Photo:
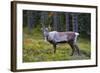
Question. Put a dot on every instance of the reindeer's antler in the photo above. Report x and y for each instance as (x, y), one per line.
(42, 25)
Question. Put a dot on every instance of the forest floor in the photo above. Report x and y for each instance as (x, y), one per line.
(35, 49)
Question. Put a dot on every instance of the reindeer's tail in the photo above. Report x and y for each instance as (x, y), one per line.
(76, 35)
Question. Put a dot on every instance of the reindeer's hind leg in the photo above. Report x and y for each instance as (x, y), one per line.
(54, 46)
(77, 49)
(72, 46)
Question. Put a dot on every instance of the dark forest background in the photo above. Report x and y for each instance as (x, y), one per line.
(58, 21)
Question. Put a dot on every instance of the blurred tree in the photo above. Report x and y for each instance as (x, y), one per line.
(30, 20)
(67, 21)
(25, 18)
(84, 21)
(75, 22)
(55, 20)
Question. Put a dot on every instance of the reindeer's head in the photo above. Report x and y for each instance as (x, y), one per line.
(45, 32)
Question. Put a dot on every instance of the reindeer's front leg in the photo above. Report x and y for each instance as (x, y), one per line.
(72, 46)
(54, 46)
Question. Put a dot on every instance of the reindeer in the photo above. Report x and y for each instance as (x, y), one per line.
(55, 38)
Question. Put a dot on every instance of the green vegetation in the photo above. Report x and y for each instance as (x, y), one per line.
(35, 49)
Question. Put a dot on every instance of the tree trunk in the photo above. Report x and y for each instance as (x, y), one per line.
(75, 22)
(67, 21)
(55, 21)
(30, 20)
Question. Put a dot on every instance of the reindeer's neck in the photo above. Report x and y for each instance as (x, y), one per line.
(50, 35)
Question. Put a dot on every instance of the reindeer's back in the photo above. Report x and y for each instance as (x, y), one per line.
(60, 36)
(71, 35)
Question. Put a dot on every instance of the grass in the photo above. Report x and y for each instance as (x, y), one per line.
(35, 49)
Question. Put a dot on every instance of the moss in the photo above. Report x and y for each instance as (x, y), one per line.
(35, 49)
